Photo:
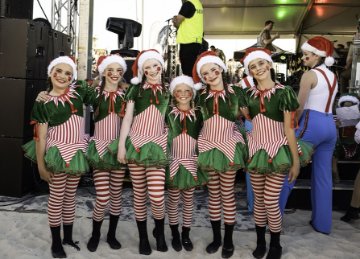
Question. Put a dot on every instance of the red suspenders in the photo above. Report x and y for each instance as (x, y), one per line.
(330, 87)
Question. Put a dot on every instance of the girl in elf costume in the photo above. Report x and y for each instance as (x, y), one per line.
(222, 150)
(143, 141)
(108, 174)
(273, 149)
(184, 122)
(58, 147)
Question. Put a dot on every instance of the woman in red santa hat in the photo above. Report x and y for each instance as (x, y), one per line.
(108, 103)
(59, 147)
(142, 143)
(318, 88)
(222, 150)
(273, 149)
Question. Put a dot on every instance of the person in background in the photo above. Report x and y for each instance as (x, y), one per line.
(219, 53)
(265, 38)
(318, 88)
(142, 144)
(59, 147)
(190, 26)
(184, 121)
(108, 174)
(222, 149)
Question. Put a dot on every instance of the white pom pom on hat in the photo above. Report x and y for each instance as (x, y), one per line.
(137, 67)
(104, 61)
(63, 60)
(182, 80)
(321, 47)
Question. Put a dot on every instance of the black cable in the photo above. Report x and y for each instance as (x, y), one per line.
(43, 10)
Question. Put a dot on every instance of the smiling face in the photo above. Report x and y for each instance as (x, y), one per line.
(211, 73)
(61, 76)
(152, 70)
(260, 69)
(183, 94)
(113, 73)
(309, 59)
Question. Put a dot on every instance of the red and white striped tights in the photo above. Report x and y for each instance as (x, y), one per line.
(61, 203)
(187, 208)
(267, 189)
(149, 180)
(221, 194)
(109, 186)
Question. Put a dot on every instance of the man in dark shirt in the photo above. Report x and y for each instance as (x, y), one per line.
(189, 22)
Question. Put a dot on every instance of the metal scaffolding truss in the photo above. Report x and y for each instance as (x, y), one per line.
(64, 16)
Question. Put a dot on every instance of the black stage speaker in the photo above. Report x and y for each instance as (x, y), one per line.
(27, 53)
(22, 9)
(17, 173)
(16, 105)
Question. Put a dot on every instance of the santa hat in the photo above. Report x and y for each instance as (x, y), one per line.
(63, 60)
(254, 53)
(137, 67)
(104, 61)
(205, 58)
(182, 80)
(321, 47)
(348, 98)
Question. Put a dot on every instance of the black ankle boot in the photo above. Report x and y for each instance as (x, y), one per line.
(351, 213)
(260, 249)
(159, 235)
(176, 243)
(95, 236)
(275, 249)
(185, 239)
(228, 246)
(144, 245)
(57, 249)
(111, 239)
(216, 243)
(68, 229)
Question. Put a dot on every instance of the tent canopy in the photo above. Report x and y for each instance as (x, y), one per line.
(291, 17)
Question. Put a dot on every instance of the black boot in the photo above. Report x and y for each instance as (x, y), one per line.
(185, 239)
(95, 236)
(159, 235)
(260, 249)
(144, 245)
(57, 249)
(176, 243)
(228, 246)
(111, 239)
(216, 243)
(351, 213)
(68, 229)
(275, 249)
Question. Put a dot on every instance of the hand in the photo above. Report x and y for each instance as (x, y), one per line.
(42, 97)
(46, 175)
(121, 155)
(294, 171)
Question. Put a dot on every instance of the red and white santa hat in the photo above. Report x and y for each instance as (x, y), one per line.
(321, 47)
(255, 53)
(63, 60)
(104, 61)
(137, 67)
(205, 58)
(182, 80)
